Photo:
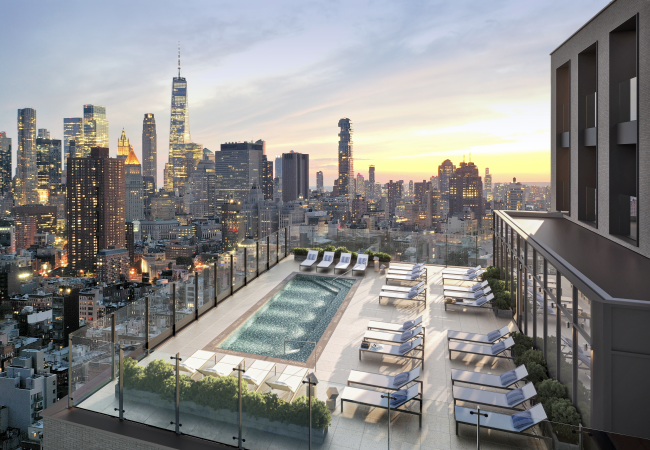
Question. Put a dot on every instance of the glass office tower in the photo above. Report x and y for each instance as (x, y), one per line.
(95, 129)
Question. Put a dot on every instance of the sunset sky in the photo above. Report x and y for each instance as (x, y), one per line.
(422, 81)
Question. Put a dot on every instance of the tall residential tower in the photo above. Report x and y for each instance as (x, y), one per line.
(95, 129)
(346, 160)
(26, 169)
(149, 149)
(5, 163)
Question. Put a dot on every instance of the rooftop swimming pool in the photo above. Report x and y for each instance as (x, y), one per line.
(299, 311)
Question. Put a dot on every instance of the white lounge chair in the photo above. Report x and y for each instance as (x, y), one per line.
(503, 381)
(393, 382)
(483, 302)
(196, 361)
(460, 270)
(404, 350)
(361, 265)
(395, 327)
(312, 257)
(392, 287)
(289, 380)
(344, 262)
(489, 338)
(405, 271)
(474, 287)
(398, 338)
(416, 278)
(224, 367)
(257, 373)
(406, 266)
(494, 350)
(328, 259)
(516, 423)
(457, 277)
(475, 295)
(417, 295)
(378, 399)
(510, 400)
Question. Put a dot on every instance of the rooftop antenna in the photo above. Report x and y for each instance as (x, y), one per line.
(179, 59)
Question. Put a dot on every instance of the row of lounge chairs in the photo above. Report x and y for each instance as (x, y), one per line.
(406, 386)
(256, 374)
(415, 277)
(328, 259)
(515, 398)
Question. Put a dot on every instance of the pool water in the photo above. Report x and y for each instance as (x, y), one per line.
(300, 311)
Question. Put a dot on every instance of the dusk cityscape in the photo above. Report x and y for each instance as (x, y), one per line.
(362, 226)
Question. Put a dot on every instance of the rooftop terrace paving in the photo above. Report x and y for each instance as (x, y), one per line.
(358, 427)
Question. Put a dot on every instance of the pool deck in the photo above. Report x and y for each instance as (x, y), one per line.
(361, 427)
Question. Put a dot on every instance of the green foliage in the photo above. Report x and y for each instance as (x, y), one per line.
(497, 286)
(523, 343)
(300, 251)
(184, 261)
(221, 393)
(383, 257)
(492, 273)
(536, 372)
(330, 248)
(535, 356)
(503, 298)
(321, 251)
(562, 411)
(355, 255)
(339, 250)
(548, 391)
(501, 303)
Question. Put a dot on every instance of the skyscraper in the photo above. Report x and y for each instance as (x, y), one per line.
(95, 129)
(295, 179)
(26, 169)
(123, 147)
(179, 126)
(134, 187)
(95, 207)
(202, 182)
(5, 163)
(267, 178)
(149, 148)
(43, 133)
(371, 182)
(48, 162)
(346, 159)
(319, 182)
(466, 191)
(445, 171)
(488, 185)
(238, 166)
(73, 133)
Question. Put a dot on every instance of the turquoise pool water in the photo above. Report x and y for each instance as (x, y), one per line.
(300, 311)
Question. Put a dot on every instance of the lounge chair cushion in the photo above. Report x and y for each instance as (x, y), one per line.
(412, 294)
(401, 378)
(481, 301)
(476, 287)
(407, 335)
(471, 276)
(399, 397)
(414, 276)
(498, 348)
(281, 383)
(515, 397)
(508, 378)
(522, 419)
(478, 294)
(312, 256)
(408, 324)
(493, 335)
(405, 347)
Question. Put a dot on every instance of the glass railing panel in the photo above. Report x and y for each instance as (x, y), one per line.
(262, 263)
(92, 359)
(160, 311)
(239, 268)
(273, 248)
(150, 390)
(224, 279)
(184, 298)
(567, 356)
(281, 238)
(251, 263)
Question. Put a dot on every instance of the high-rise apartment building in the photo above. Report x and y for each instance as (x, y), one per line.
(233, 224)
(5, 163)
(346, 159)
(183, 162)
(238, 166)
(123, 147)
(134, 187)
(26, 167)
(295, 179)
(445, 172)
(95, 207)
(466, 191)
(360, 186)
(319, 182)
(395, 190)
(43, 133)
(267, 178)
(48, 161)
(95, 129)
(371, 182)
(202, 184)
(73, 138)
(487, 185)
(514, 200)
(150, 148)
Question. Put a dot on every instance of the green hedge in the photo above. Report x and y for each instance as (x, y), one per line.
(300, 251)
(221, 393)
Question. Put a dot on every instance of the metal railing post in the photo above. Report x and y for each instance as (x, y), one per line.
(178, 395)
(146, 323)
(121, 396)
(232, 275)
(196, 295)
(478, 425)
(257, 259)
(216, 283)
(113, 346)
(245, 266)
(286, 240)
(446, 249)
(240, 440)
(277, 247)
(268, 252)
(389, 397)
(70, 371)
(174, 309)
(311, 383)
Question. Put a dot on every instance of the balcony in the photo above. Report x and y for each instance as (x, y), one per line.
(627, 125)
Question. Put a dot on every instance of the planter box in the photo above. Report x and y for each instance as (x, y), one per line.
(503, 313)
(557, 444)
(224, 415)
(299, 257)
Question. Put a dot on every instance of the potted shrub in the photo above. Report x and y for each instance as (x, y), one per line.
(553, 396)
(502, 305)
(384, 259)
(299, 254)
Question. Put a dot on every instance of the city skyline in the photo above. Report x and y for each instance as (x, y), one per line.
(292, 106)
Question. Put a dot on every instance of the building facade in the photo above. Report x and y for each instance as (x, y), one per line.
(150, 148)
(48, 162)
(238, 166)
(346, 159)
(320, 188)
(295, 176)
(26, 166)
(95, 130)
(6, 173)
(134, 187)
